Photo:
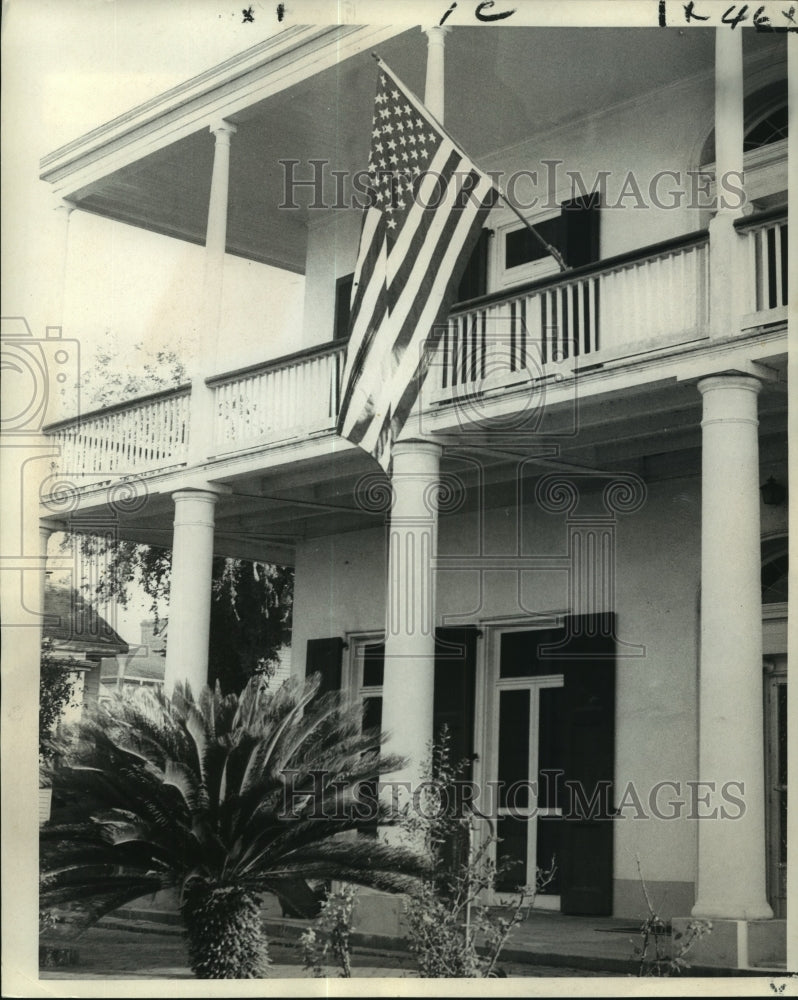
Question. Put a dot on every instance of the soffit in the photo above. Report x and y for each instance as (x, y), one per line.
(502, 86)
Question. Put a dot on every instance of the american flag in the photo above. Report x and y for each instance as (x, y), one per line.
(427, 205)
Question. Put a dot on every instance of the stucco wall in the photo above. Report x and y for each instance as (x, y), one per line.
(340, 589)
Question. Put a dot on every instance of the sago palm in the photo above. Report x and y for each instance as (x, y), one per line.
(223, 798)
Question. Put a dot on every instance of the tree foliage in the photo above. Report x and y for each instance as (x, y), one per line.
(108, 382)
(251, 602)
(251, 609)
(56, 686)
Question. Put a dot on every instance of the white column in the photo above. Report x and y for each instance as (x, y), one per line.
(792, 446)
(731, 851)
(201, 429)
(63, 213)
(45, 530)
(216, 233)
(726, 278)
(409, 680)
(434, 87)
(190, 590)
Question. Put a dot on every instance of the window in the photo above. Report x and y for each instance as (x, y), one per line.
(769, 129)
(369, 671)
(572, 228)
(367, 667)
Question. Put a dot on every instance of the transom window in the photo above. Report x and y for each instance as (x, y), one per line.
(769, 129)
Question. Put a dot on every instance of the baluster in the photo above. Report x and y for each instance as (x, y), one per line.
(779, 289)
(610, 305)
(761, 270)
(272, 395)
(290, 389)
(444, 351)
(750, 286)
(577, 307)
(330, 381)
(685, 274)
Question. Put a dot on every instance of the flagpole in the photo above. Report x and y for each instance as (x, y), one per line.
(553, 251)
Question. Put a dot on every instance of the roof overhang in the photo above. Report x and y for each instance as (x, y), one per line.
(307, 94)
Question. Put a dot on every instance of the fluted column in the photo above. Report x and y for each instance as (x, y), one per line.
(731, 851)
(190, 590)
(725, 254)
(409, 679)
(434, 87)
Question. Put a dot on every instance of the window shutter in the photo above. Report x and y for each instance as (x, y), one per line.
(587, 662)
(343, 302)
(475, 277)
(324, 656)
(455, 685)
(579, 242)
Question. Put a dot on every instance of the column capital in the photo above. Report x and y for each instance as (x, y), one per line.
(436, 35)
(223, 130)
(731, 381)
(61, 205)
(50, 527)
(417, 446)
(189, 493)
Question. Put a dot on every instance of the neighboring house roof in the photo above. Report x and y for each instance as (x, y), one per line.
(74, 626)
(144, 661)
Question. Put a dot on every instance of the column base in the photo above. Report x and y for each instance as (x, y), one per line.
(723, 910)
(735, 944)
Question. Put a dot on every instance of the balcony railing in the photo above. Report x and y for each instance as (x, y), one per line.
(602, 308)
(140, 436)
(765, 245)
(298, 394)
(640, 301)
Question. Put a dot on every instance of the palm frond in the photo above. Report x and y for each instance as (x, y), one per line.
(177, 790)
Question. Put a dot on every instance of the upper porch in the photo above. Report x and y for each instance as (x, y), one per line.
(658, 301)
(553, 363)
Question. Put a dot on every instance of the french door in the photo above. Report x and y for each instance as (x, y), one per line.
(776, 780)
(551, 750)
(528, 720)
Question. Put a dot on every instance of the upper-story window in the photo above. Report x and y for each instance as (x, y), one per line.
(509, 254)
(765, 150)
(772, 127)
(343, 297)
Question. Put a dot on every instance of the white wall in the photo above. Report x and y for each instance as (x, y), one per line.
(340, 587)
(332, 252)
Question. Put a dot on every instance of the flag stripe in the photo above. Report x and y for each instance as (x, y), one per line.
(371, 240)
(421, 333)
(448, 233)
(407, 251)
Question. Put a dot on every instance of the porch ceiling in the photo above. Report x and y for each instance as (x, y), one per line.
(651, 430)
(503, 86)
(654, 432)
